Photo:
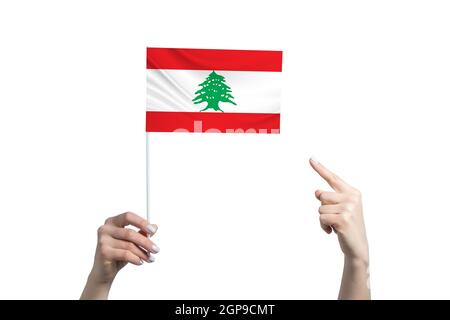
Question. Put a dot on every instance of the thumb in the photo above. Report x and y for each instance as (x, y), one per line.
(317, 194)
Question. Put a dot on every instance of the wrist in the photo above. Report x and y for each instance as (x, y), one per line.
(96, 288)
(98, 278)
(357, 262)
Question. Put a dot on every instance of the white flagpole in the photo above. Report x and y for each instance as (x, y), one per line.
(147, 173)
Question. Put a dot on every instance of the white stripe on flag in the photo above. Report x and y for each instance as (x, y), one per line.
(253, 91)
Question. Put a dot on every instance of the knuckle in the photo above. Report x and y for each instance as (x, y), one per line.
(335, 178)
(356, 193)
(124, 255)
(103, 252)
(320, 197)
(148, 244)
(128, 216)
(345, 219)
(348, 207)
(130, 246)
(129, 256)
(128, 233)
(101, 231)
(102, 240)
(332, 179)
(108, 220)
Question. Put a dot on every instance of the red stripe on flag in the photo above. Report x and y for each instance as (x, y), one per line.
(212, 122)
(214, 59)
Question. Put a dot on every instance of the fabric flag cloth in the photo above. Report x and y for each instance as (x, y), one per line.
(211, 90)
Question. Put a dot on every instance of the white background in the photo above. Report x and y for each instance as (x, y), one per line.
(365, 89)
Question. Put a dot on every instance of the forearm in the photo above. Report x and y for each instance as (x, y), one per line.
(95, 290)
(355, 283)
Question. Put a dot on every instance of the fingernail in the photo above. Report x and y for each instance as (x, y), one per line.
(141, 261)
(151, 228)
(313, 159)
(155, 248)
(151, 259)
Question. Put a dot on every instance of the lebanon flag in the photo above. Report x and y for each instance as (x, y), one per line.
(210, 90)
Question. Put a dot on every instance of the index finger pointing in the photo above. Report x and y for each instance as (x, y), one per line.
(130, 218)
(332, 179)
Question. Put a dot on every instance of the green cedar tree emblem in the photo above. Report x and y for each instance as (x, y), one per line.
(213, 90)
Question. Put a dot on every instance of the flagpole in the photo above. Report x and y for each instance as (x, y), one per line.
(147, 173)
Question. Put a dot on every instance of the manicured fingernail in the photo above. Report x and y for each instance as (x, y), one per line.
(155, 248)
(151, 228)
(151, 259)
(313, 159)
